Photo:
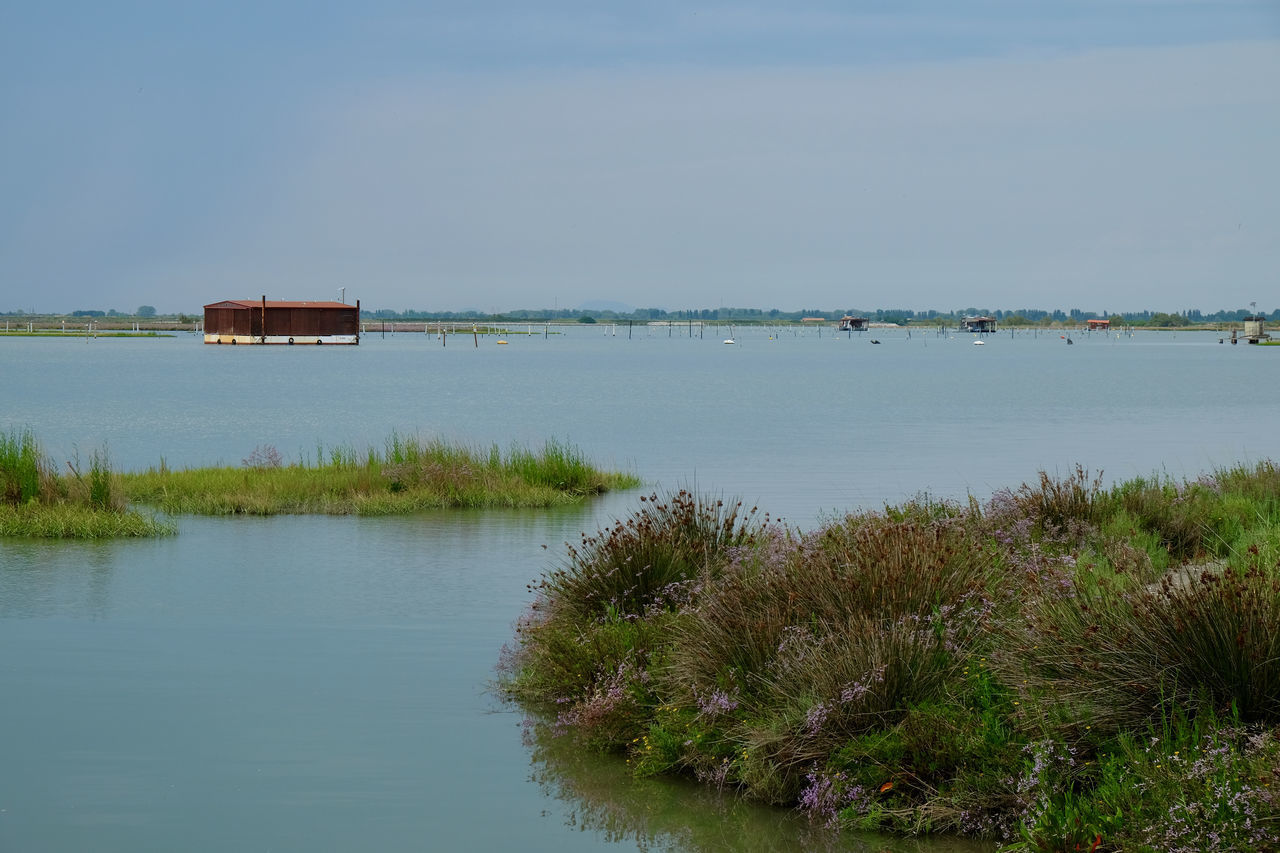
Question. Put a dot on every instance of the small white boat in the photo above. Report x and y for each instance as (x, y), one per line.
(730, 341)
(979, 343)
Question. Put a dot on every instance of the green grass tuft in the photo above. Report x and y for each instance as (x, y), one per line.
(37, 502)
(21, 467)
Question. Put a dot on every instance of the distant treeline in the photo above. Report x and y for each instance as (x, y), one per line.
(143, 312)
(902, 316)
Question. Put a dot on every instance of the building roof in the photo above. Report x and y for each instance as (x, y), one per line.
(257, 303)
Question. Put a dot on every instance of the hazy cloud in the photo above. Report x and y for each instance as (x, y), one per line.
(1004, 169)
(1109, 180)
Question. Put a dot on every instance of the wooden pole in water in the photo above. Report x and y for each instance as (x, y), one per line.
(475, 333)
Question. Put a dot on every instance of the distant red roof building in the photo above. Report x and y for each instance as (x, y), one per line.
(250, 321)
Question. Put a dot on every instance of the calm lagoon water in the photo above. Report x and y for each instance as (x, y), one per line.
(320, 683)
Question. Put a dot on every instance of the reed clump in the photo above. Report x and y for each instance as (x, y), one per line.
(661, 553)
(1064, 666)
(408, 475)
(36, 500)
(602, 615)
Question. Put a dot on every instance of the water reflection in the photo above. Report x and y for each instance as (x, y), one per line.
(600, 796)
(40, 579)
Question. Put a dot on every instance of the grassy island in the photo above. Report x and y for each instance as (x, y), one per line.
(408, 476)
(411, 475)
(37, 501)
(1063, 667)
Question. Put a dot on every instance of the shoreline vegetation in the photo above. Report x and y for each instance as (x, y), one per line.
(83, 333)
(409, 475)
(1062, 667)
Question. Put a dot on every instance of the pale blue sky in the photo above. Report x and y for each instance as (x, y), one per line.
(1111, 155)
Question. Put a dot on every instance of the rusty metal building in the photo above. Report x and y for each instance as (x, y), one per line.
(249, 321)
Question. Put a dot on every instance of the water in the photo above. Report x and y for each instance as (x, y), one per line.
(320, 683)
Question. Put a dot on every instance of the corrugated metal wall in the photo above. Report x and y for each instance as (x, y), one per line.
(311, 321)
(229, 321)
(281, 321)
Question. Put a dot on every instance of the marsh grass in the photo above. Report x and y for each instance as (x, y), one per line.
(1062, 503)
(606, 612)
(1183, 783)
(37, 501)
(408, 475)
(21, 467)
(73, 521)
(784, 606)
(650, 559)
(1037, 669)
(1203, 641)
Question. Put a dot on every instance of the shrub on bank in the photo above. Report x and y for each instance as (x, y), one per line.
(1066, 666)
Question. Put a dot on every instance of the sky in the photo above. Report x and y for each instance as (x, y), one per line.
(1106, 155)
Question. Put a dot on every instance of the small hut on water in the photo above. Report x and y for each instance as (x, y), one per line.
(1254, 330)
(979, 325)
(248, 321)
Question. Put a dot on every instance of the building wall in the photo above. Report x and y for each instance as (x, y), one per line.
(283, 323)
(312, 321)
(230, 321)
